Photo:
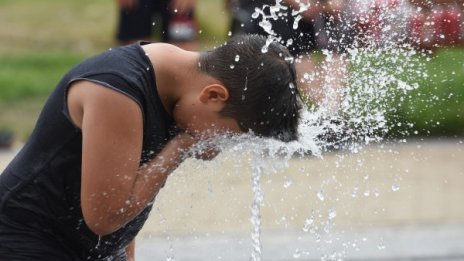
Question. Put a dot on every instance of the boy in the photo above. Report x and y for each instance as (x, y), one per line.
(117, 125)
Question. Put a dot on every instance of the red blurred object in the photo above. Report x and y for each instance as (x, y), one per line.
(452, 22)
(440, 26)
(428, 27)
(447, 25)
(416, 29)
(438, 36)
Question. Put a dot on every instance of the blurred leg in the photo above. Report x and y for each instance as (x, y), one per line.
(135, 24)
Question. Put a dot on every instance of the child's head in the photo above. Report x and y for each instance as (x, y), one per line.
(262, 89)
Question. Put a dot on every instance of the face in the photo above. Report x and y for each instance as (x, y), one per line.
(197, 114)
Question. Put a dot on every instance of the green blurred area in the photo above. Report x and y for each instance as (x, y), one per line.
(437, 107)
(41, 40)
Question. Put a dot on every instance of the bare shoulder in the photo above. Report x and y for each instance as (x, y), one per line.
(89, 97)
(160, 48)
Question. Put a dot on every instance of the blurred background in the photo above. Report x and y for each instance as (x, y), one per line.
(40, 41)
(399, 200)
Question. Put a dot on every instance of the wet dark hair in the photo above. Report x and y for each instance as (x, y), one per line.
(262, 89)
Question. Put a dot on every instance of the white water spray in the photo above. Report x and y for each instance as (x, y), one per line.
(382, 70)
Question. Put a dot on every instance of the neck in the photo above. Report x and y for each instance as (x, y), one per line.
(176, 72)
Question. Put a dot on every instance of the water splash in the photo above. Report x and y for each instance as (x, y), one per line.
(382, 72)
(383, 68)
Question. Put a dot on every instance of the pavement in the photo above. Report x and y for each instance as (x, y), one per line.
(438, 242)
(391, 201)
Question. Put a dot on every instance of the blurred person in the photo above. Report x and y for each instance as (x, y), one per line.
(178, 24)
(321, 27)
(117, 125)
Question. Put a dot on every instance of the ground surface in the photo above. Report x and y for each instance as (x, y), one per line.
(387, 202)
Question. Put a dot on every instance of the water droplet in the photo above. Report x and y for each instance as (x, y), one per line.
(229, 33)
(255, 15)
(237, 58)
(289, 59)
(381, 246)
(175, 10)
(297, 254)
(99, 241)
(264, 49)
(232, 66)
(288, 183)
(396, 187)
(320, 195)
(289, 42)
(332, 213)
(308, 224)
(296, 21)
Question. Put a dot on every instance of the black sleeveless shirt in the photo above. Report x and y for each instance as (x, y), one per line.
(40, 211)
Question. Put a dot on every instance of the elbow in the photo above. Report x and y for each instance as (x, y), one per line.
(103, 224)
(104, 217)
(101, 229)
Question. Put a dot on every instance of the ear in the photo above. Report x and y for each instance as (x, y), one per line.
(214, 93)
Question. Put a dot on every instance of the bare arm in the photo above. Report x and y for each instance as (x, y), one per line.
(114, 189)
